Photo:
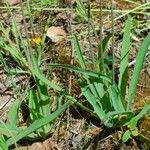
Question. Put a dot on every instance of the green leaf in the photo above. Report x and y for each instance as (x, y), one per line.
(135, 23)
(79, 53)
(8, 130)
(119, 119)
(105, 42)
(143, 112)
(13, 113)
(116, 99)
(33, 105)
(42, 91)
(21, 61)
(126, 136)
(37, 124)
(85, 72)
(37, 72)
(133, 124)
(39, 105)
(95, 102)
(137, 69)
(104, 48)
(81, 11)
(3, 145)
(15, 31)
(99, 88)
(135, 132)
(123, 78)
(16, 71)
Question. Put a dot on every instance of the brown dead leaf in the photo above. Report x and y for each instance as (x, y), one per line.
(14, 2)
(56, 34)
(46, 145)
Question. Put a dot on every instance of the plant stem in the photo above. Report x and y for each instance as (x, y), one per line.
(113, 52)
(89, 35)
(101, 38)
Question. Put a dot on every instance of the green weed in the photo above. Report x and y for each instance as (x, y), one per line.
(111, 102)
(28, 62)
(109, 99)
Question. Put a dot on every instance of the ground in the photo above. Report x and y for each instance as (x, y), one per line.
(76, 129)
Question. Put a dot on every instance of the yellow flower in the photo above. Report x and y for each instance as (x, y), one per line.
(37, 39)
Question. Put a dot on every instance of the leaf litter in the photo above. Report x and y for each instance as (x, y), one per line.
(77, 136)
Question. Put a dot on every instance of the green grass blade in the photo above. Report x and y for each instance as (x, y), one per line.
(126, 136)
(44, 97)
(105, 42)
(100, 88)
(38, 124)
(15, 32)
(103, 48)
(17, 71)
(79, 53)
(36, 72)
(101, 105)
(81, 11)
(143, 112)
(19, 41)
(3, 145)
(123, 77)
(44, 101)
(116, 99)
(8, 130)
(33, 105)
(93, 89)
(137, 69)
(13, 113)
(21, 61)
(3, 62)
(85, 72)
(39, 106)
(94, 101)
(11, 48)
(13, 52)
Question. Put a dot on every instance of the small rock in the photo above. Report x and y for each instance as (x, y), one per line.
(56, 34)
(14, 2)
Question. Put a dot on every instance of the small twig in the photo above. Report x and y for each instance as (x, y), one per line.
(133, 62)
(143, 86)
